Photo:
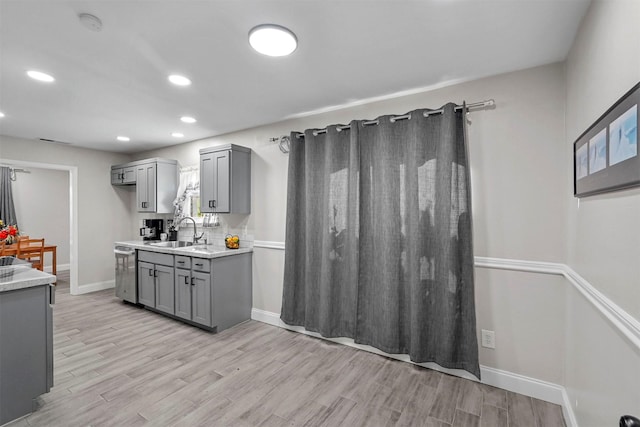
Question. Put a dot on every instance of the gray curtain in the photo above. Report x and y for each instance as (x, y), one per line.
(7, 209)
(378, 237)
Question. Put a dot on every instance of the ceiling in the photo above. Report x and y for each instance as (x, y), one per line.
(114, 82)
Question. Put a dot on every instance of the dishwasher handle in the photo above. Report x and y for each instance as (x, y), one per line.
(121, 252)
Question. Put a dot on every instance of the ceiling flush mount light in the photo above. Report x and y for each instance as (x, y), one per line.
(273, 40)
(40, 76)
(123, 138)
(179, 80)
(188, 119)
(177, 135)
(1, 114)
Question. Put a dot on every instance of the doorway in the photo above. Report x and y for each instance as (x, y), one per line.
(72, 209)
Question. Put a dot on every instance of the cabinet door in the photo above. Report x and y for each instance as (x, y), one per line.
(116, 176)
(141, 188)
(151, 187)
(201, 298)
(207, 178)
(165, 288)
(146, 284)
(222, 181)
(183, 293)
(146, 187)
(129, 175)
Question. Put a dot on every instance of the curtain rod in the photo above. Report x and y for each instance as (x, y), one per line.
(474, 105)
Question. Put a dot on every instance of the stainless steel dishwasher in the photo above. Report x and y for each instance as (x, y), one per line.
(126, 288)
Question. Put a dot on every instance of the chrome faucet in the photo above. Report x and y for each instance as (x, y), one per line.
(195, 233)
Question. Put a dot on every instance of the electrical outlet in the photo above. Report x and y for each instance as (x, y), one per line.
(488, 339)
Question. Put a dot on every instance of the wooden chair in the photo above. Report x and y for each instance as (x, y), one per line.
(31, 250)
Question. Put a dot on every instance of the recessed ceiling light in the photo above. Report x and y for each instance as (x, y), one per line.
(177, 135)
(1, 114)
(124, 138)
(40, 76)
(273, 40)
(179, 80)
(188, 119)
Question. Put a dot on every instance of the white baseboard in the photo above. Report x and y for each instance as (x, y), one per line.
(623, 321)
(516, 383)
(94, 287)
(60, 267)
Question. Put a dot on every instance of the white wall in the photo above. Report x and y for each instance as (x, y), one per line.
(604, 63)
(519, 196)
(41, 199)
(602, 368)
(103, 211)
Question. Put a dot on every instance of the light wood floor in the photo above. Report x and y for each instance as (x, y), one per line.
(118, 365)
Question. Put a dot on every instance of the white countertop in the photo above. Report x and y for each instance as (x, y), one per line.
(25, 277)
(199, 251)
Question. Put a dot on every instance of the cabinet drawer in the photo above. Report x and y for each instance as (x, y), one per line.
(156, 258)
(200, 264)
(183, 261)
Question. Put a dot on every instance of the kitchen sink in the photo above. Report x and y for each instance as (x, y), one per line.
(172, 244)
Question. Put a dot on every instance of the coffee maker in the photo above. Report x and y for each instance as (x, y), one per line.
(151, 229)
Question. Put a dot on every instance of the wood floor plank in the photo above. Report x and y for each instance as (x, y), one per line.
(547, 414)
(470, 398)
(448, 391)
(116, 364)
(492, 416)
(494, 396)
(520, 411)
(465, 419)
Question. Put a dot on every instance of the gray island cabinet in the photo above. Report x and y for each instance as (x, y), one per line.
(26, 339)
(212, 293)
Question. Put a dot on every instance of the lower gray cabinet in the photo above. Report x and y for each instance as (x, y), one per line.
(214, 294)
(146, 284)
(201, 298)
(164, 289)
(183, 293)
(156, 281)
(193, 296)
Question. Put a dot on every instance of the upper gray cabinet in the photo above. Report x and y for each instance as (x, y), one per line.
(123, 175)
(225, 179)
(156, 183)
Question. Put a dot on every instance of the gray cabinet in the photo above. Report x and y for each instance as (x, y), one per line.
(123, 175)
(146, 187)
(156, 182)
(164, 289)
(193, 292)
(183, 293)
(26, 349)
(159, 185)
(146, 284)
(225, 179)
(213, 294)
(156, 281)
(201, 298)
